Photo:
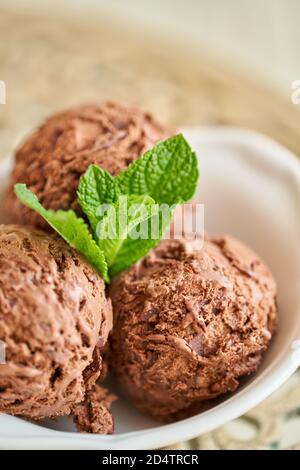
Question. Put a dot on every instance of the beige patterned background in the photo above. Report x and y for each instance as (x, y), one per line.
(52, 63)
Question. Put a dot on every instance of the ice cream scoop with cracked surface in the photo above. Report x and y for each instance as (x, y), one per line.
(54, 320)
(52, 159)
(189, 322)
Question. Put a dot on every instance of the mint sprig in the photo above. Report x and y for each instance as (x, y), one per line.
(167, 174)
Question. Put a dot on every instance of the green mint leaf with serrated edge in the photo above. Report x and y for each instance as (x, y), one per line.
(96, 187)
(134, 249)
(168, 173)
(70, 227)
(118, 225)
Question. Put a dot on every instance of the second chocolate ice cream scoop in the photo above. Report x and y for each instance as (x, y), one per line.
(52, 159)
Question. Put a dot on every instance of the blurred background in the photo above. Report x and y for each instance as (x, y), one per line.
(190, 62)
(261, 36)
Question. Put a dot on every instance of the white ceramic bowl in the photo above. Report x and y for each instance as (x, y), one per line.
(251, 189)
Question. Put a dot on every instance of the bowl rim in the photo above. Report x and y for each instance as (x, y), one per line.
(266, 382)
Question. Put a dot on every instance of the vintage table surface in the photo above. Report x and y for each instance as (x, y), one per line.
(49, 64)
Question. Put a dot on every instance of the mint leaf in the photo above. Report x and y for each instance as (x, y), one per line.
(123, 230)
(133, 250)
(168, 173)
(96, 187)
(70, 227)
(122, 221)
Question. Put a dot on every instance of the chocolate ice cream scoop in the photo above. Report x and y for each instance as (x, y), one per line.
(54, 321)
(93, 415)
(189, 322)
(53, 158)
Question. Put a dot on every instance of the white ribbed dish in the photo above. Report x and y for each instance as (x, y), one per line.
(250, 186)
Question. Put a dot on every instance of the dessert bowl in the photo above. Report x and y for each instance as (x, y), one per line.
(250, 188)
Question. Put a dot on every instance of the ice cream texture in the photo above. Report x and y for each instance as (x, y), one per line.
(54, 320)
(52, 159)
(189, 322)
(93, 414)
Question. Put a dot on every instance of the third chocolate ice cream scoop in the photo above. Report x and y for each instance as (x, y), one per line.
(189, 321)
